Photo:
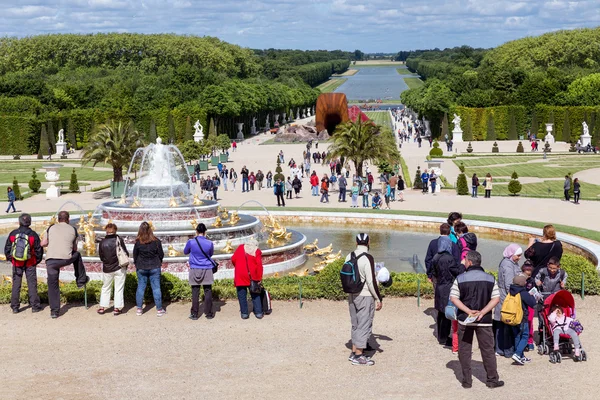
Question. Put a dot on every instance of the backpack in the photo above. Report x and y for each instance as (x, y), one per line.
(21, 248)
(512, 310)
(350, 276)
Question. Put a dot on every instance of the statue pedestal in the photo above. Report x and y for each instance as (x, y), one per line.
(585, 139)
(457, 135)
(52, 176)
(52, 192)
(198, 137)
(549, 138)
(61, 147)
(240, 134)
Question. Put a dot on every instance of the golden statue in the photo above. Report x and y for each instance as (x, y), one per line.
(81, 224)
(335, 256)
(234, 219)
(303, 273)
(271, 240)
(323, 251)
(225, 214)
(183, 198)
(228, 247)
(194, 223)
(218, 223)
(51, 222)
(151, 225)
(172, 252)
(172, 202)
(136, 202)
(312, 246)
(197, 201)
(90, 238)
(122, 200)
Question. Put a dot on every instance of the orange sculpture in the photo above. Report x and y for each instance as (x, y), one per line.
(332, 109)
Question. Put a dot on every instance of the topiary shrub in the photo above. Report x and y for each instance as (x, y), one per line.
(436, 151)
(16, 189)
(514, 186)
(418, 181)
(34, 182)
(495, 148)
(74, 185)
(574, 266)
(462, 187)
(520, 148)
(469, 148)
(278, 172)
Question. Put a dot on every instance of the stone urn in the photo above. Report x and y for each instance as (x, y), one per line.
(52, 176)
(240, 134)
(549, 137)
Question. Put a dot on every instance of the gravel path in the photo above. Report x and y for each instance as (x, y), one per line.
(292, 354)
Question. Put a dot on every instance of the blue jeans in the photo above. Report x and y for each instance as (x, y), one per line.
(342, 195)
(433, 186)
(242, 293)
(474, 192)
(393, 194)
(11, 203)
(143, 275)
(365, 200)
(325, 196)
(315, 190)
(521, 333)
(245, 187)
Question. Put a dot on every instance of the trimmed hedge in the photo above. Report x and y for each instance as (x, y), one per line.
(325, 285)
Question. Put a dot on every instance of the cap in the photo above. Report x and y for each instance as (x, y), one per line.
(520, 280)
(362, 238)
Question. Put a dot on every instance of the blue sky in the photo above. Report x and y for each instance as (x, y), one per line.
(372, 26)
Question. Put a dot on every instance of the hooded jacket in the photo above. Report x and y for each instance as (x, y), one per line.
(527, 300)
(467, 242)
(37, 252)
(445, 269)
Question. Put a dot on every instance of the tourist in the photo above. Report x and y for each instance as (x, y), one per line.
(433, 181)
(376, 201)
(233, 177)
(475, 294)
(245, 187)
(288, 188)
(325, 189)
(354, 192)
(419, 140)
(234, 146)
(488, 185)
(364, 304)
(61, 242)
(474, 185)
(444, 269)
(567, 187)
(343, 184)
(252, 180)
(11, 200)
(521, 332)
(388, 195)
(425, 180)
(370, 180)
(540, 251)
(197, 170)
(393, 183)
(576, 190)
(297, 185)
(200, 250)
(248, 267)
(507, 270)
(527, 270)
(224, 177)
(269, 179)
(332, 182)
(466, 240)
(314, 183)
(365, 193)
(432, 250)
(259, 178)
(278, 189)
(552, 278)
(453, 219)
(148, 257)
(24, 251)
(400, 188)
(215, 186)
(112, 269)
(281, 158)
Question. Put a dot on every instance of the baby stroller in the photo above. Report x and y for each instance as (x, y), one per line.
(564, 299)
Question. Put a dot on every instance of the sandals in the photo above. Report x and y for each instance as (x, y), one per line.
(101, 311)
(117, 311)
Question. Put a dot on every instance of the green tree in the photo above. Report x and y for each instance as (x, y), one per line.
(360, 141)
(514, 186)
(44, 144)
(462, 188)
(491, 132)
(223, 143)
(535, 128)
(171, 123)
(51, 135)
(34, 182)
(445, 130)
(71, 133)
(189, 133)
(468, 134)
(16, 189)
(566, 133)
(212, 130)
(584, 91)
(512, 128)
(113, 144)
(418, 183)
(190, 150)
(152, 132)
(74, 185)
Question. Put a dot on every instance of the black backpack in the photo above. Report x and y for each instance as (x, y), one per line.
(350, 276)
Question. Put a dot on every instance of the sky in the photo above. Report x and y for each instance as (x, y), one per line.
(371, 26)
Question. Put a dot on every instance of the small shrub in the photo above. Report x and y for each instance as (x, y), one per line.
(462, 187)
(547, 148)
(34, 182)
(572, 149)
(514, 186)
(436, 151)
(74, 185)
(17, 189)
(495, 148)
(418, 181)
(469, 148)
(520, 148)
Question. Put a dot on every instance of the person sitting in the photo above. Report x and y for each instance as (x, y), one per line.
(560, 324)
(376, 201)
(552, 278)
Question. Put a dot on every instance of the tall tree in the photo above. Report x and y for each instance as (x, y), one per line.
(512, 128)
(491, 131)
(534, 125)
(189, 133)
(71, 133)
(51, 135)
(445, 130)
(44, 143)
(152, 132)
(171, 128)
(468, 133)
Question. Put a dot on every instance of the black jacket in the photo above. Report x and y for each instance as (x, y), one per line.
(432, 251)
(445, 269)
(149, 255)
(37, 251)
(107, 250)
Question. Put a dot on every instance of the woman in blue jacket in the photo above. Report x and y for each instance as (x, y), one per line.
(11, 200)
(200, 250)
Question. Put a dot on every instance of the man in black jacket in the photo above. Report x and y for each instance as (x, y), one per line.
(475, 294)
(433, 249)
(28, 266)
(245, 187)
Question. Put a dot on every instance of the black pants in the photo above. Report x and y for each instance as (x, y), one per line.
(207, 300)
(31, 274)
(342, 195)
(280, 197)
(444, 326)
(567, 196)
(53, 267)
(485, 337)
(576, 197)
(289, 194)
(488, 193)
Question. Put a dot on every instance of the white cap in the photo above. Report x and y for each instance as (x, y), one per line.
(383, 275)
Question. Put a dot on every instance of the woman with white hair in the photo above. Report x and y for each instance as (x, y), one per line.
(248, 272)
(507, 270)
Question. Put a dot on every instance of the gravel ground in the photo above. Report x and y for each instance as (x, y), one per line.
(293, 353)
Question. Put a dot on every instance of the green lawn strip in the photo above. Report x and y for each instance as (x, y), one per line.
(404, 71)
(380, 117)
(331, 85)
(405, 173)
(532, 170)
(540, 189)
(480, 162)
(83, 173)
(413, 83)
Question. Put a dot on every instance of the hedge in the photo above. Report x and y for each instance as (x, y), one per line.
(325, 285)
(17, 134)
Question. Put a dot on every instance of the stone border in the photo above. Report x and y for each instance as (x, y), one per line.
(572, 243)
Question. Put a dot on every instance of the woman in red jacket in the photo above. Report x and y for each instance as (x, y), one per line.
(247, 262)
(314, 183)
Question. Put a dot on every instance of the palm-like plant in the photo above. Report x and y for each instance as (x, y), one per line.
(113, 143)
(361, 141)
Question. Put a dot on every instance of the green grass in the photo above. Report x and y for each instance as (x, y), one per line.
(404, 71)
(331, 85)
(413, 83)
(22, 171)
(547, 189)
(481, 162)
(380, 117)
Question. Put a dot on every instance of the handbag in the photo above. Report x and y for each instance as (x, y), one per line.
(256, 287)
(122, 257)
(451, 310)
(215, 265)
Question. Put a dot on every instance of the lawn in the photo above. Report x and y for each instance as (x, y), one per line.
(484, 161)
(413, 83)
(404, 71)
(348, 72)
(551, 189)
(380, 117)
(331, 85)
(22, 171)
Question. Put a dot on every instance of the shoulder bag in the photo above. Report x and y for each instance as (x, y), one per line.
(121, 255)
(215, 265)
(256, 287)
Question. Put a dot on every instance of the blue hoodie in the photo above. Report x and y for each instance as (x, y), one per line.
(527, 300)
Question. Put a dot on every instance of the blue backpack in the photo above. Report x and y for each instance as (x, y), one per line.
(350, 276)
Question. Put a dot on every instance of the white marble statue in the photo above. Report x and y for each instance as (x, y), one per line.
(456, 120)
(586, 130)
(61, 136)
(199, 134)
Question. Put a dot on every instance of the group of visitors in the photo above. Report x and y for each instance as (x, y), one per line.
(567, 189)
(488, 184)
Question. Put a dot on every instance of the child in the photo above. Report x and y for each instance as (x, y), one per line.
(552, 278)
(559, 323)
(521, 331)
(388, 195)
(527, 270)
(376, 201)
(466, 241)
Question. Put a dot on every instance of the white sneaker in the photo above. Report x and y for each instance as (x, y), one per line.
(518, 359)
